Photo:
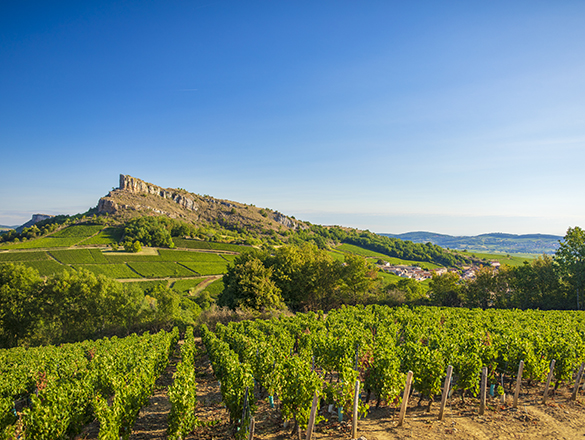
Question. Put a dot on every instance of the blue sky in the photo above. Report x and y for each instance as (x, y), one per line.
(458, 117)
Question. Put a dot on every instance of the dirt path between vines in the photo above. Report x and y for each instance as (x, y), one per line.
(152, 421)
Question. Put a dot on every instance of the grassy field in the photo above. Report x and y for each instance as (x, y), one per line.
(184, 286)
(207, 268)
(106, 236)
(161, 269)
(510, 260)
(79, 256)
(191, 244)
(152, 263)
(229, 247)
(78, 231)
(173, 255)
(124, 257)
(44, 242)
(352, 249)
(117, 271)
(15, 257)
(336, 254)
(149, 263)
(198, 244)
(66, 237)
(44, 267)
(215, 288)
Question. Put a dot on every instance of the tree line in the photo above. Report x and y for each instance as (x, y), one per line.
(76, 305)
(298, 278)
(304, 277)
(548, 282)
(324, 236)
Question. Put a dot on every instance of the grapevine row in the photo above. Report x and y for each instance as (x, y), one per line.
(59, 389)
(295, 357)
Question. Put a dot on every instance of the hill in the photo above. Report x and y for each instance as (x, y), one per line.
(138, 213)
(489, 243)
(136, 198)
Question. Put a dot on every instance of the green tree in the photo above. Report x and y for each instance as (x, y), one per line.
(77, 305)
(488, 289)
(570, 258)
(413, 290)
(150, 231)
(445, 290)
(359, 279)
(537, 285)
(307, 276)
(19, 298)
(132, 246)
(248, 284)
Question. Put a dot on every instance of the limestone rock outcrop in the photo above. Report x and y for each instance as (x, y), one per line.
(107, 206)
(35, 219)
(135, 197)
(134, 185)
(284, 220)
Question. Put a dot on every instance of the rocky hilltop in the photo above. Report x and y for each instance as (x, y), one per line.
(35, 219)
(135, 197)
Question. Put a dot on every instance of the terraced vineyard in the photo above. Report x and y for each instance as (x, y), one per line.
(87, 249)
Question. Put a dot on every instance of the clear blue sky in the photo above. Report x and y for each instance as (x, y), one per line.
(458, 117)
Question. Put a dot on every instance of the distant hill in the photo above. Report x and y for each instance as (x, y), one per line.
(35, 219)
(493, 242)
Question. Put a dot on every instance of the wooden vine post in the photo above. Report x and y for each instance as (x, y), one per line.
(578, 382)
(245, 406)
(548, 381)
(252, 425)
(356, 397)
(482, 391)
(404, 404)
(445, 391)
(518, 383)
(311, 424)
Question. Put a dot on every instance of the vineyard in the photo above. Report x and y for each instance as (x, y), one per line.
(294, 359)
(288, 376)
(53, 392)
(152, 263)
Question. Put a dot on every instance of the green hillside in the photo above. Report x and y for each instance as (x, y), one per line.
(509, 259)
(357, 250)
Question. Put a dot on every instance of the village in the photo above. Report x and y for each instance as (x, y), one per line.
(419, 274)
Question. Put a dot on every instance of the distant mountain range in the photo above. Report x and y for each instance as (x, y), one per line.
(489, 243)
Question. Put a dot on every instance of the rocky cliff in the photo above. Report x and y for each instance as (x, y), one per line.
(135, 197)
(35, 219)
(136, 186)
